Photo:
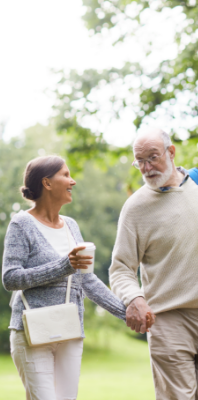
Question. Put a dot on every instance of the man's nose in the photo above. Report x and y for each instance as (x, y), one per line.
(147, 166)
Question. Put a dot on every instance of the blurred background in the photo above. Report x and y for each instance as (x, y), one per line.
(81, 79)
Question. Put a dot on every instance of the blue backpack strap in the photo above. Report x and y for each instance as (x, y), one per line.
(193, 172)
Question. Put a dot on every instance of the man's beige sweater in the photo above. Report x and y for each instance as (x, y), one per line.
(160, 231)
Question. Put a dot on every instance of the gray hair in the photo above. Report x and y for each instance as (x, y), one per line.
(166, 139)
(164, 136)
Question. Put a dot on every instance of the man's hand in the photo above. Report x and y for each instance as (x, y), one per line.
(139, 316)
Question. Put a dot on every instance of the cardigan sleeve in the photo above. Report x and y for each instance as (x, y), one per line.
(99, 293)
(15, 258)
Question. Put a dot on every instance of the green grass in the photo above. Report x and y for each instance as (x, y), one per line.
(117, 369)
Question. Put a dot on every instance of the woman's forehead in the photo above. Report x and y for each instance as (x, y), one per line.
(64, 168)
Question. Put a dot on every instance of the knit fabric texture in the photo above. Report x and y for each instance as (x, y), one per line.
(158, 230)
(31, 264)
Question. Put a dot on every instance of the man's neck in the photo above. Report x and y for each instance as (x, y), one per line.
(175, 179)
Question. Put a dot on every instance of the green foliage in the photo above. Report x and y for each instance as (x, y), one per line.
(187, 153)
(81, 146)
(169, 89)
(73, 103)
(174, 76)
(102, 14)
(106, 14)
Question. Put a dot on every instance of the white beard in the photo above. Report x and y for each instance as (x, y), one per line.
(162, 178)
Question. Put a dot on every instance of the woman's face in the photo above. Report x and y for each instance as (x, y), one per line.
(61, 185)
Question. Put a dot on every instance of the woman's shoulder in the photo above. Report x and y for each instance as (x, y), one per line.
(20, 227)
(21, 218)
(21, 221)
(74, 228)
(69, 220)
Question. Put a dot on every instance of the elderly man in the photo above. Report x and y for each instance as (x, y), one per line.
(158, 228)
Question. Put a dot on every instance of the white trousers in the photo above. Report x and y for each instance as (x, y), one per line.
(49, 372)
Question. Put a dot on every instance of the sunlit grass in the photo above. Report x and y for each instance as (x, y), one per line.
(117, 369)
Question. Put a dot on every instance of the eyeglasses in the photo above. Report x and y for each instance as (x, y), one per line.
(151, 160)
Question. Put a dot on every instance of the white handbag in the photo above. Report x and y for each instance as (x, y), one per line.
(51, 324)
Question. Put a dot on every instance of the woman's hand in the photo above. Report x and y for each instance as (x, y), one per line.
(79, 261)
(149, 321)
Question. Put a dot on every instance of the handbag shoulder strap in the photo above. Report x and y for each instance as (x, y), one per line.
(24, 300)
(68, 290)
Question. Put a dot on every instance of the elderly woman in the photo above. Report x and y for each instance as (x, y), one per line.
(37, 260)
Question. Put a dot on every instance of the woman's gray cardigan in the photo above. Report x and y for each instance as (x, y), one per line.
(31, 264)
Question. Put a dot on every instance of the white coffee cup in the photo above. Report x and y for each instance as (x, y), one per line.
(88, 251)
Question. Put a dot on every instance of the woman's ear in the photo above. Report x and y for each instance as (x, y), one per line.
(46, 183)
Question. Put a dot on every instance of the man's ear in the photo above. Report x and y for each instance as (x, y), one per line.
(171, 150)
(46, 183)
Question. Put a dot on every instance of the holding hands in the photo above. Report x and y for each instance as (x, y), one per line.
(139, 316)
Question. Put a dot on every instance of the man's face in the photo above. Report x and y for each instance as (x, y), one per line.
(154, 175)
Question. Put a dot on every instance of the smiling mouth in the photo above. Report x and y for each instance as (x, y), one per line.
(69, 190)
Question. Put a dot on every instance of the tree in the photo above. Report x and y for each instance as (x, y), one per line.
(147, 90)
(162, 87)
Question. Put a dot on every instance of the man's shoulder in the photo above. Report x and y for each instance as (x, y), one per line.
(137, 200)
(140, 195)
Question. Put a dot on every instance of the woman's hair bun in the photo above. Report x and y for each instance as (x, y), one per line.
(27, 193)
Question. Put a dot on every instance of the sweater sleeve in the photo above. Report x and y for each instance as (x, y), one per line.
(14, 272)
(99, 293)
(126, 258)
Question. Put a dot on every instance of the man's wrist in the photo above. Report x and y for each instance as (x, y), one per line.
(138, 297)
